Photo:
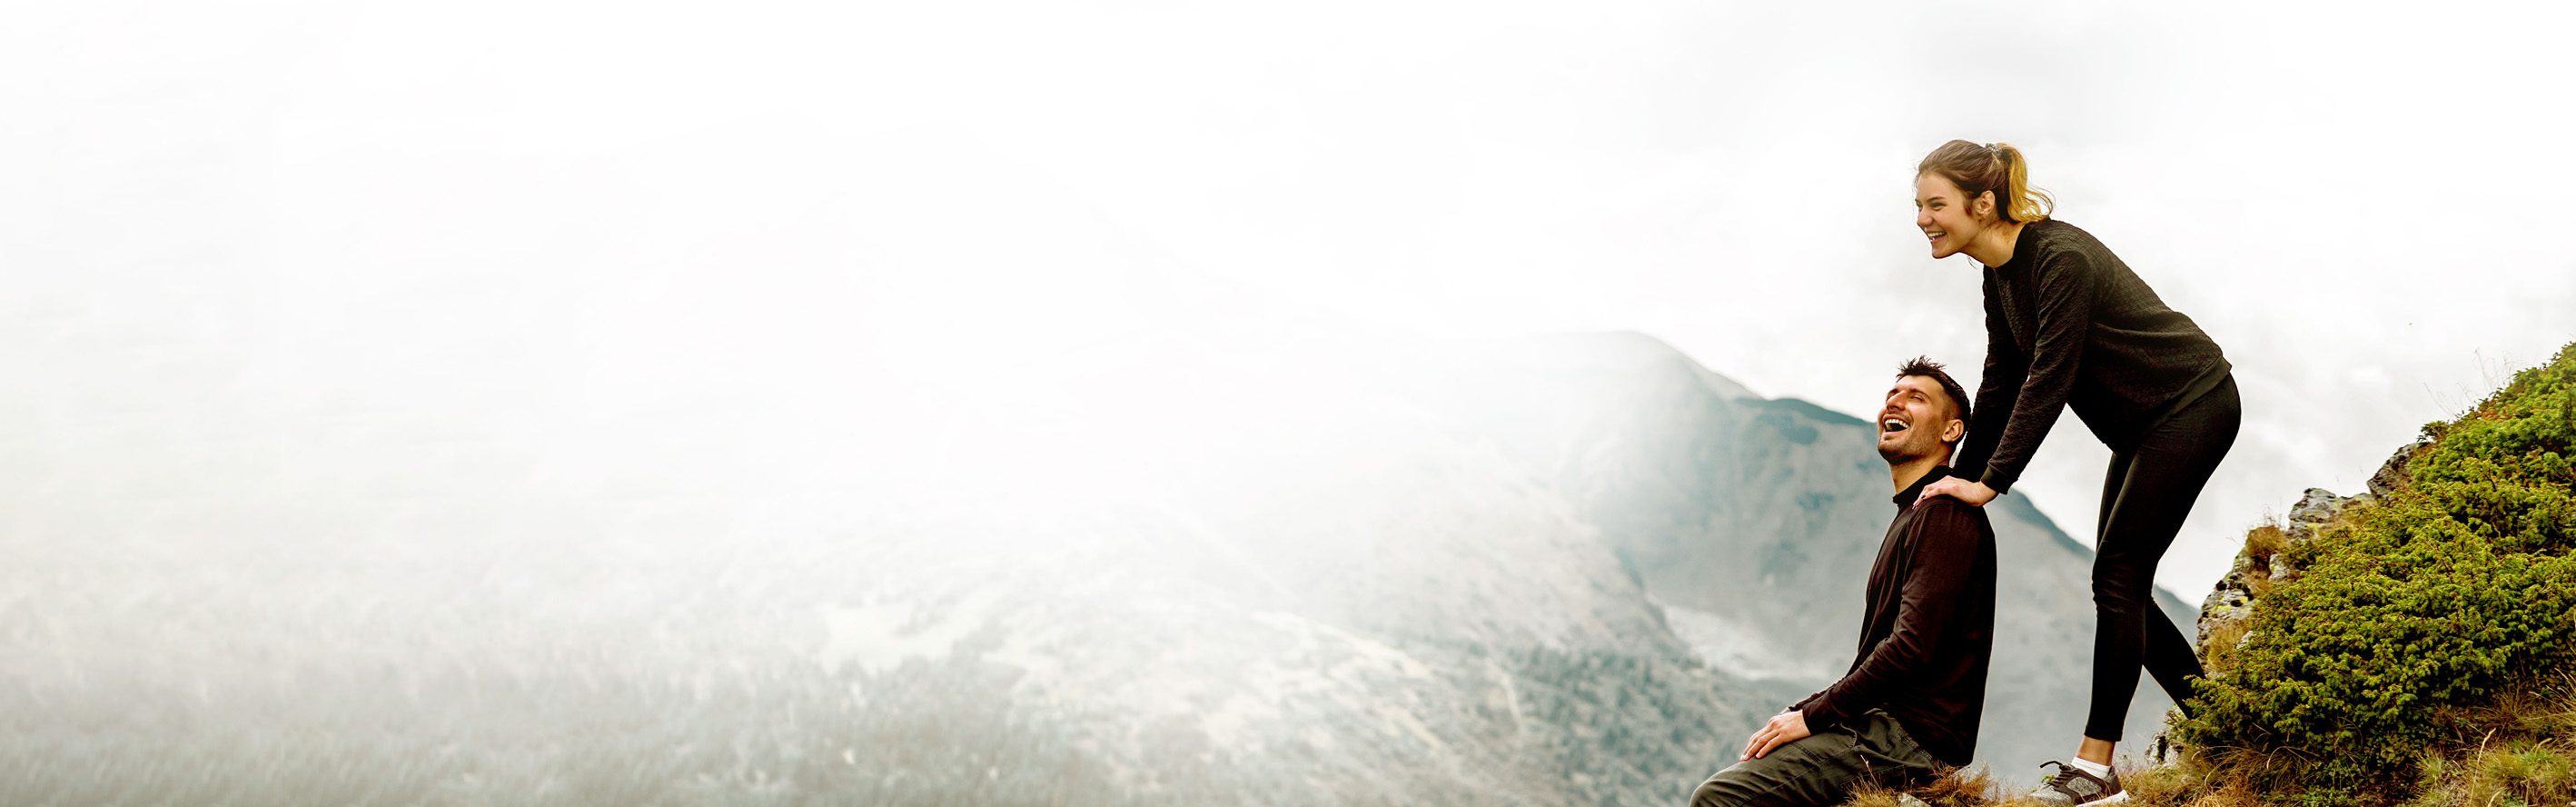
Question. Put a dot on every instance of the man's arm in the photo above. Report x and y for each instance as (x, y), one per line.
(1945, 554)
(1801, 705)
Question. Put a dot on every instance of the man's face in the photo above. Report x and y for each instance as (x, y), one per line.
(1917, 421)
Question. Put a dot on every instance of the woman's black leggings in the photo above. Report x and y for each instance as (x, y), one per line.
(2149, 491)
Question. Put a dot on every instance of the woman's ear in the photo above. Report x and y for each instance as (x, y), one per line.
(1985, 207)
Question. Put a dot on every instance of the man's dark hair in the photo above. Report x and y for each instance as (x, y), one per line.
(1925, 366)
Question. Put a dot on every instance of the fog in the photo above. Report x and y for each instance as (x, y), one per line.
(522, 220)
(408, 280)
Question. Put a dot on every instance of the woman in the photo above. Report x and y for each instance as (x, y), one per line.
(2068, 325)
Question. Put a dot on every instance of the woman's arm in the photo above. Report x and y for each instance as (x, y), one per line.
(2066, 286)
(1997, 387)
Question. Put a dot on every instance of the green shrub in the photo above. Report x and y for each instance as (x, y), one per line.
(2437, 598)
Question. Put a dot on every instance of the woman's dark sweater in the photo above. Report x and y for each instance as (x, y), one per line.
(2068, 324)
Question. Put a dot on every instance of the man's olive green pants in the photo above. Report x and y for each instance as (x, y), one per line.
(1822, 769)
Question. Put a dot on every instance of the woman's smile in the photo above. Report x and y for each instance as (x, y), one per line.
(1939, 213)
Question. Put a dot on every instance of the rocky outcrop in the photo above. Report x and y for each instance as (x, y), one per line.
(2392, 474)
(2266, 557)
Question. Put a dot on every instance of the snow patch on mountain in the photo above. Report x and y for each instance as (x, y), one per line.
(1742, 650)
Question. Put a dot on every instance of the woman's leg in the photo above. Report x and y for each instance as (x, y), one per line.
(2116, 477)
(2149, 493)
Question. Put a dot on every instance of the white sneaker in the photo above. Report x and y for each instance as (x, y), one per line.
(2072, 787)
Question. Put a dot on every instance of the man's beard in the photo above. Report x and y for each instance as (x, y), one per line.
(1903, 453)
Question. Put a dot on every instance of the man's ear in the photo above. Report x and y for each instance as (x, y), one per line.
(1956, 429)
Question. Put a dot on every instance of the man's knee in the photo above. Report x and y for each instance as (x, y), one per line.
(1799, 773)
(1737, 786)
(1710, 794)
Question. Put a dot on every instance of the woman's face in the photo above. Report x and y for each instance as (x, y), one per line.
(1947, 219)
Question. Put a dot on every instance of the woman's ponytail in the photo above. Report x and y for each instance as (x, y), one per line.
(2021, 202)
(1977, 168)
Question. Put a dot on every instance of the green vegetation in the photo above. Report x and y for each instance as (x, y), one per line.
(2408, 622)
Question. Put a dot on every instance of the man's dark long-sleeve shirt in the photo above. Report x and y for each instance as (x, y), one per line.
(2067, 324)
(1929, 629)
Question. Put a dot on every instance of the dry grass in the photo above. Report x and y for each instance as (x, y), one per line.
(2162, 784)
(1875, 797)
(2523, 773)
(2258, 585)
(1959, 787)
(2264, 546)
(2217, 653)
(2265, 541)
(2542, 711)
(2193, 779)
(2551, 711)
(2435, 780)
(2258, 771)
(1965, 787)
(2158, 786)
(2232, 794)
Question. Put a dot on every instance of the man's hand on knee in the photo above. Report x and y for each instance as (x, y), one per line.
(1788, 727)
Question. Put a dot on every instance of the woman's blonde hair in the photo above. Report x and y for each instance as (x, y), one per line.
(1977, 168)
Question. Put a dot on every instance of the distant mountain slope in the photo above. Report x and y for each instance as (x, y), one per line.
(1425, 627)
(1560, 569)
(1347, 569)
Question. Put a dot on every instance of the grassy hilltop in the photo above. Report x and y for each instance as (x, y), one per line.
(2414, 646)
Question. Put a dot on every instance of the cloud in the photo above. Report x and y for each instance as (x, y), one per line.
(380, 201)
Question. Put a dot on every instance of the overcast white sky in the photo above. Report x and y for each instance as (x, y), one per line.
(219, 219)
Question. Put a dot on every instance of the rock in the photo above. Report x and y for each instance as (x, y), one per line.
(2233, 597)
(2223, 605)
(2393, 472)
(2318, 506)
(2237, 570)
(2225, 598)
(2215, 618)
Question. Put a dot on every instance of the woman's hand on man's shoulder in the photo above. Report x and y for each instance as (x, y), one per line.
(1966, 490)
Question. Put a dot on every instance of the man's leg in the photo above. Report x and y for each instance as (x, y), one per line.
(1821, 769)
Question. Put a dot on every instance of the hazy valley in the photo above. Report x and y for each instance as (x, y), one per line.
(1572, 569)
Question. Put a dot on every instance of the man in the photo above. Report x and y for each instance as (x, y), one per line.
(1913, 696)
